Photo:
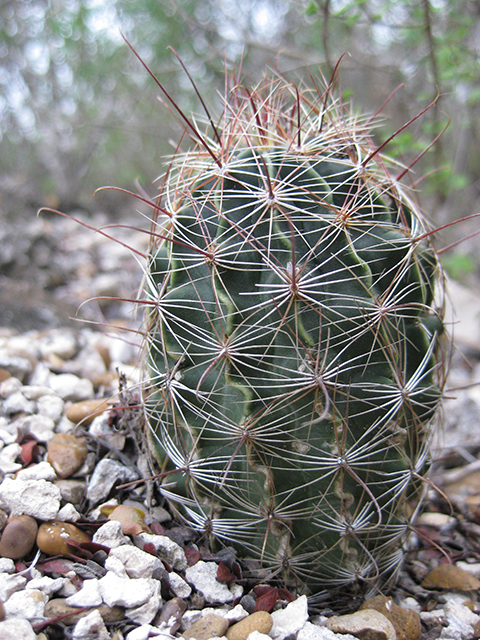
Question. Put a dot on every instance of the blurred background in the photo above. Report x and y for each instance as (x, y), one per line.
(78, 111)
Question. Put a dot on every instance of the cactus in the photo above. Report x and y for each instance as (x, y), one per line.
(294, 343)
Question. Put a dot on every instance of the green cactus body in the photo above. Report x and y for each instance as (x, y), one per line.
(294, 351)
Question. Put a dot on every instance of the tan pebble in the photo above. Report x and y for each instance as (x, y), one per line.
(210, 626)
(367, 624)
(18, 537)
(406, 622)
(4, 374)
(58, 607)
(53, 536)
(260, 621)
(448, 576)
(86, 410)
(3, 613)
(66, 453)
(131, 519)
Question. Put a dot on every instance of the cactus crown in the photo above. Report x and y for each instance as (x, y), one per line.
(293, 342)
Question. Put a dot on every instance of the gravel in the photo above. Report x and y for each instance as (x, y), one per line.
(159, 579)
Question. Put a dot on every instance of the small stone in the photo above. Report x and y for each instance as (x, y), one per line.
(203, 576)
(66, 453)
(131, 518)
(51, 406)
(406, 622)
(9, 386)
(63, 343)
(17, 629)
(37, 498)
(29, 604)
(71, 490)
(460, 621)
(448, 576)
(52, 537)
(91, 626)
(17, 403)
(110, 535)
(7, 565)
(260, 621)
(40, 471)
(48, 585)
(42, 428)
(107, 473)
(145, 613)
(68, 513)
(18, 367)
(126, 592)
(178, 585)
(210, 626)
(85, 411)
(170, 616)
(367, 624)
(167, 549)
(18, 537)
(70, 387)
(9, 584)
(315, 632)
(137, 563)
(59, 607)
(88, 596)
(8, 456)
(288, 622)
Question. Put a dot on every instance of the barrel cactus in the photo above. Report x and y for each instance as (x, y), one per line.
(294, 340)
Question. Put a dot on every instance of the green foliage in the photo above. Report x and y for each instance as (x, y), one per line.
(294, 349)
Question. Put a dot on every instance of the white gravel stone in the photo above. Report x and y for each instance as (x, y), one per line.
(70, 387)
(460, 622)
(42, 428)
(137, 563)
(37, 498)
(17, 403)
(16, 629)
(126, 592)
(256, 635)
(68, 513)
(146, 631)
(8, 455)
(167, 549)
(116, 566)
(19, 367)
(36, 391)
(51, 406)
(88, 596)
(9, 386)
(433, 618)
(60, 342)
(314, 632)
(41, 471)
(145, 613)
(91, 626)
(7, 565)
(9, 584)
(179, 587)
(29, 604)
(288, 621)
(48, 585)
(203, 576)
(107, 473)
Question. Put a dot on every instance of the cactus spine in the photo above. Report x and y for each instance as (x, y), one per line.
(293, 343)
